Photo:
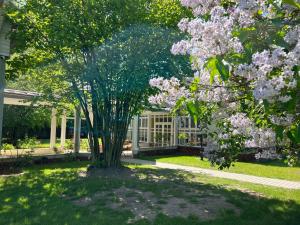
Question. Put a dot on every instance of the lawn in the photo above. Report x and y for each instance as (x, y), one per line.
(273, 169)
(61, 194)
(45, 143)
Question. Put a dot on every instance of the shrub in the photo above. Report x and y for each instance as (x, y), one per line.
(69, 144)
(7, 147)
(84, 144)
(27, 143)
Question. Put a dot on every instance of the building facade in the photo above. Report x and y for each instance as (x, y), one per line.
(160, 129)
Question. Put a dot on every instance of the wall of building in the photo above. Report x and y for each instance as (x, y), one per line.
(160, 129)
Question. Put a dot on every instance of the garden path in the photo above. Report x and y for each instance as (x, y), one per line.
(221, 174)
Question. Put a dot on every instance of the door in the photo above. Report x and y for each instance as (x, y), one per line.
(163, 134)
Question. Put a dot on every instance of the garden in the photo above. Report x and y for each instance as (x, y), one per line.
(154, 82)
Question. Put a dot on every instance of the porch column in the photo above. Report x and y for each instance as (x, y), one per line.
(53, 129)
(176, 130)
(135, 135)
(149, 129)
(2, 85)
(63, 130)
(77, 128)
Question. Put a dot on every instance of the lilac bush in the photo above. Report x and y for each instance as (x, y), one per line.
(245, 54)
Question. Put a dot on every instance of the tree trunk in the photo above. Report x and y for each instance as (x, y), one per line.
(115, 126)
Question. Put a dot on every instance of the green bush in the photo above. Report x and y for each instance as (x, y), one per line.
(7, 147)
(182, 136)
(84, 144)
(27, 143)
(69, 144)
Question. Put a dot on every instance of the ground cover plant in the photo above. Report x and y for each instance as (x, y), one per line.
(66, 194)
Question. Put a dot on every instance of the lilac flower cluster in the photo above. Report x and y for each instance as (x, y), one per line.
(170, 92)
(266, 87)
(257, 137)
(209, 38)
(200, 7)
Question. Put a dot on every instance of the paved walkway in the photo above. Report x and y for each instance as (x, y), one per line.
(215, 173)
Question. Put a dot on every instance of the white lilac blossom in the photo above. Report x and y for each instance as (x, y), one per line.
(267, 154)
(284, 98)
(284, 120)
(183, 24)
(293, 35)
(181, 48)
(255, 137)
(209, 38)
(240, 123)
(170, 92)
(209, 91)
(263, 63)
(200, 7)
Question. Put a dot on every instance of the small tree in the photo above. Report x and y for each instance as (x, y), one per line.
(118, 81)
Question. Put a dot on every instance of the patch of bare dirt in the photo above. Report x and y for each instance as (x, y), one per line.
(146, 205)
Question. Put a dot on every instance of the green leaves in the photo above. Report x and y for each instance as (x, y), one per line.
(192, 108)
(211, 66)
(279, 130)
(194, 85)
(294, 133)
(216, 67)
(222, 68)
(292, 3)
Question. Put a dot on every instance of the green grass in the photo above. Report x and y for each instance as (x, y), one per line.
(44, 195)
(45, 143)
(272, 169)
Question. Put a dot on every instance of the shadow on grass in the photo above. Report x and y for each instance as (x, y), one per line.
(45, 194)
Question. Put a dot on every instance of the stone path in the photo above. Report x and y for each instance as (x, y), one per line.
(215, 173)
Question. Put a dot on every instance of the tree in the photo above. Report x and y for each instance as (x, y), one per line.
(121, 77)
(246, 60)
(22, 121)
(102, 62)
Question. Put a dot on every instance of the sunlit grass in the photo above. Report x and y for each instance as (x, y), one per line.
(273, 169)
(44, 195)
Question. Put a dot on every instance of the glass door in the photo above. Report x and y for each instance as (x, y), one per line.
(163, 134)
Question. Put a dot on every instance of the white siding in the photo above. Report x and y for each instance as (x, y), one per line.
(4, 40)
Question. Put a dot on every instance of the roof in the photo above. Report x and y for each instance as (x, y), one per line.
(12, 93)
